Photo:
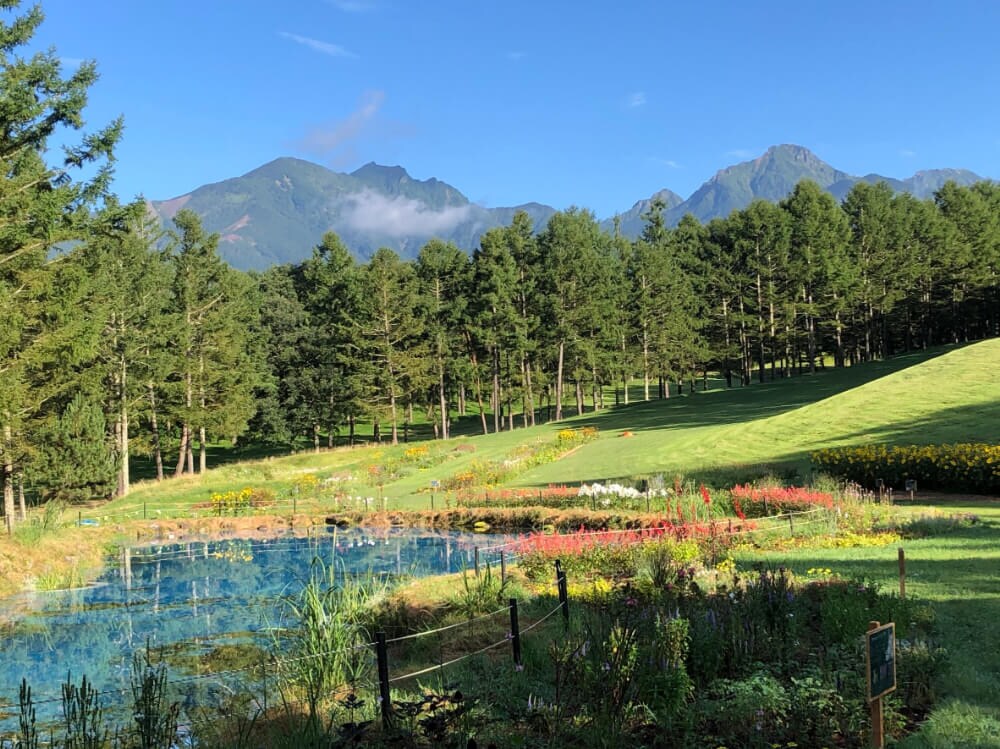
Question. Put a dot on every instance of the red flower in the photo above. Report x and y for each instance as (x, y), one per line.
(739, 510)
(705, 495)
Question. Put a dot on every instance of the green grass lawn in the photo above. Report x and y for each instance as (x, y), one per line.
(947, 395)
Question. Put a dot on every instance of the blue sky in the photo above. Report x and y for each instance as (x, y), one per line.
(595, 104)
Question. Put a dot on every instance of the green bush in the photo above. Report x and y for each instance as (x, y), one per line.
(959, 467)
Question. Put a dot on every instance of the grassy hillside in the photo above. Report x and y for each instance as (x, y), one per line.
(949, 395)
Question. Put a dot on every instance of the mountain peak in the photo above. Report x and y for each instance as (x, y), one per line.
(371, 170)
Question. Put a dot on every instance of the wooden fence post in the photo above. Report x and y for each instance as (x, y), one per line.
(515, 633)
(383, 679)
(476, 562)
(503, 567)
(563, 592)
(878, 734)
(902, 574)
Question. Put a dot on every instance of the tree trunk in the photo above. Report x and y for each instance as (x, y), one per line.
(123, 442)
(579, 397)
(645, 362)
(442, 401)
(202, 451)
(392, 411)
(182, 451)
(350, 430)
(155, 429)
(760, 329)
(745, 365)
(526, 406)
(559, 380)
(315, 437)
(7, 477)
(20, 497)
(497, 416)
(726, 366)
(810, 330)
(479, 392)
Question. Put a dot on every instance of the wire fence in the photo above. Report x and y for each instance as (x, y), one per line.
(237, 679)
(286, 665)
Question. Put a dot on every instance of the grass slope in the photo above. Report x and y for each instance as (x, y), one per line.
(950, 395)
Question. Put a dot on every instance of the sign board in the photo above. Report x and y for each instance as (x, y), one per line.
(435, 483)
(911, 485)
(881, 660)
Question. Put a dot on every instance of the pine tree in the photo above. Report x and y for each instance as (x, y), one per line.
(443, 271)
(129, 283)
(568, 253)
(391, 330)
(215, 371)
(336, 381)
(40, 206)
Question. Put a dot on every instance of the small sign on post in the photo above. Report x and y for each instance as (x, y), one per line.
(434, 487)
(911, 486)
(880, 658)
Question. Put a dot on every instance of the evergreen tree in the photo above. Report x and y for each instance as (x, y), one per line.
(215, 371)
(568, 252)
(129, 282)
(443, 272)
(40, 206)
(336, 377)
(392, 332)
(78, 459)
(817, 262)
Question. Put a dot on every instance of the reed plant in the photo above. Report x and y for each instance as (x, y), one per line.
(326, 648)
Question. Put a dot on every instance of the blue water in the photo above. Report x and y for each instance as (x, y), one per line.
(197, 595)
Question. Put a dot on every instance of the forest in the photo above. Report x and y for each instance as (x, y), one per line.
(120, 337)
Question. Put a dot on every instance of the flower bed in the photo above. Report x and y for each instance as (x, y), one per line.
(754, 501)
(481, 473)
(965, 467)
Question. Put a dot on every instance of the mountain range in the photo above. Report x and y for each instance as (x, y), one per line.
(278, 212)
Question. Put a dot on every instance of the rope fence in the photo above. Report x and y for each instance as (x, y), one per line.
(507, 552)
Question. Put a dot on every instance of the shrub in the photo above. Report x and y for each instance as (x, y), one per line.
(966, 467)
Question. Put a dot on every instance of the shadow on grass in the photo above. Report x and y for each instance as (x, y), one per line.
(756, 401)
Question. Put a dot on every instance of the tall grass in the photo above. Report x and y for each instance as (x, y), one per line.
(326, 648)
(41, 524)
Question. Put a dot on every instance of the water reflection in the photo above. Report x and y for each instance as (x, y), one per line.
(197, 595)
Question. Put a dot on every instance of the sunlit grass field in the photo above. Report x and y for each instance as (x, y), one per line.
(720, 436)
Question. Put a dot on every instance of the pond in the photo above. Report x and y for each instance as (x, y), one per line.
(194, 597)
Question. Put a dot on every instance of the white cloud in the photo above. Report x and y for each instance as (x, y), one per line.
(740, 153)
(515, 55)
(327, 48)
(670, 163)
(353, 6)
(907, 153)
(399, 216)
(636, 99)
(327, 138)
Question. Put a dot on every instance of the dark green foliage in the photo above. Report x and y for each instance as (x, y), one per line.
(76, 460)
(41, 206)
(154, 716)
